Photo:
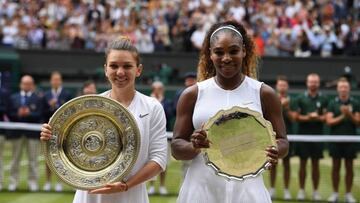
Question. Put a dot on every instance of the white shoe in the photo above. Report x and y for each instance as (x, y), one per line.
(47, 187)
(287, 195)
(349, 198)
(334, 197)
(151, 190)
(163, 190)
(316, 196)
(12, 187)
(272, 192)
(58, 187)
(301, 195)
(33, 186)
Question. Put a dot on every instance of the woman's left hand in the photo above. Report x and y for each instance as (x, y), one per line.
(111, 188)
(273, 154)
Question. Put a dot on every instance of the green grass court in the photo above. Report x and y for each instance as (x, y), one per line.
(173, 183)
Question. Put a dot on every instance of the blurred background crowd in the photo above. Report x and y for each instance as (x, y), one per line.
(300, 28)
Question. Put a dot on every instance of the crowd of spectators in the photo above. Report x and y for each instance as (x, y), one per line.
(298, 28)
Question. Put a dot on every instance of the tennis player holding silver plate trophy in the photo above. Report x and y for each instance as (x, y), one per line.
(226, 122)
(238, 139)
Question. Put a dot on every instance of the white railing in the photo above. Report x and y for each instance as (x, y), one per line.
(291, 138)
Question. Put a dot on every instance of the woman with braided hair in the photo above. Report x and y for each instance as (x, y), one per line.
(226, 78)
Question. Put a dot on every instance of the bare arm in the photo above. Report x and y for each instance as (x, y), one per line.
(272, 112)
(331, 120)
(150, 169)
(354, 117)
(181, 146)
(302, 118)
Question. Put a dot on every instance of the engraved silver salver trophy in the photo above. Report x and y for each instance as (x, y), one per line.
(239, 137)
(95, 141)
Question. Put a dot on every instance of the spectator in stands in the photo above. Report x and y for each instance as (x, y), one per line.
(53, 99)
(272, 44)
(128, 16)
(227, 61)
(177, 40)
(162, 37)
(3, 106)
(310, 113)
(158, 92)
(329, 42)
(21, 40)
(198, 37)
(282, 88)
(286, 43)
(9, 32)
(36, 36)
(302, 46)
(25, 106)
(121, 68)
(144, 41)
(189, 80)
(343, 116)
(89, 87)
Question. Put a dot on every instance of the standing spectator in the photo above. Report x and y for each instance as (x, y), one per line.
(286, 43)
(89, 87)
(21, 40)
(25, 106)
(310, 108)
(9, 32)
(144, 41)
(272, 44)
(119, 11)
(177, 40)
(53, 99)
(3, 105)
(198, 37)
(171, 16)
(343, 116)
(96, 13)
(329, 43)
(36, 36)
(237, 11)
(159, 94)
(282, 87)
(162, 36)
(189, 80)
(52, 36)
(302, 47)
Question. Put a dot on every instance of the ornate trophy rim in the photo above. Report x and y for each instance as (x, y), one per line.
(262, 121)
(126, 133)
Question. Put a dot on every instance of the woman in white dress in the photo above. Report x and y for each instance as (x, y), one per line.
(121, 68)
(226, 70)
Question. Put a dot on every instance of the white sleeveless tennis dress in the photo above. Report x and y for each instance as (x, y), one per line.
(201, 185)
(150, 118)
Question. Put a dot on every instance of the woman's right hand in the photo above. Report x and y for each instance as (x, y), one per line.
(199, 139)
(45, 132)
